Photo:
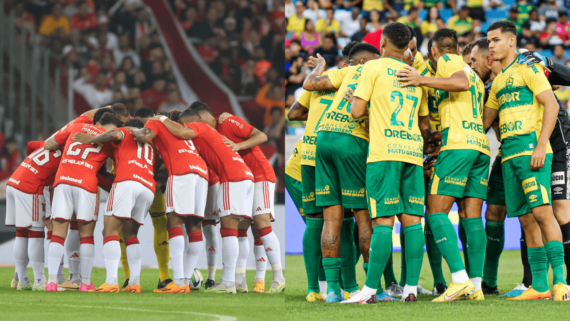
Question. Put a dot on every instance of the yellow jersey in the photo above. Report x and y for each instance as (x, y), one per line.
(296, 24)
(369, 5)
(514, 94)
(475, 3)
(460, 26)
(428, 27)
(461, 113)
(338, 118)
(418, 61)
(394, 131)
(293, 165)
(321, 26)
(434, 121)
(407, 22)
(318, 103)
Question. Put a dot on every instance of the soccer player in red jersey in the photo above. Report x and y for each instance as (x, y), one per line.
(235, 197)
(185, 199)
(76, 191)
(129, 201)
(211, 218)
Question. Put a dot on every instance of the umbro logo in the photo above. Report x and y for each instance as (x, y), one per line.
(268, 249)
(74, 255)
(258, 208)
(211, 249)
(261, 260)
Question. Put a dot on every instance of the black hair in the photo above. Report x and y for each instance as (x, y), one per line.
(398, 34)
(134, 123)
(412, 33)
(332, 37)
(482, 43)
(464, 8)
(174, 114)
(307, 21)
(190, 112)
(413, 9)
(200, 106)
(144, 112)
(445, 40)
(363, 47)
(347, 48)
(504, 26)
(468, 48)
(563, 14)
(110, 119)
(429, 45)
(100, 112)
(526, 25)
(120, 109)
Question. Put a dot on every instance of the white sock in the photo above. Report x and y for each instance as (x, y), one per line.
(273, 251)
(36, 254)
(408, 289)
(241, 263)
(459, 276)
(134, 257)
(72, 248)
(366, 291)
(260, 261)
(323, 286)
(60, 276)
(112, 255)
(229, 253)
(87, 250)
(212, 248)
(21, 255)
(477, 283)
(176, 244)
(192, 253)
(55, 254)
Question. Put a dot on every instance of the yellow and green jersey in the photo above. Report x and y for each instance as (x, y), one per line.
(461, 113)
(418, 61)
(524, 12)
(322, 26)
(514, 94)
(410, 3)
(369, 5)
(430, 3)
(460, 26)
(293, 165)
(434, 121)
(407, 22)
(338, 118)
(296, 24)
(563, 94)
(394, 131)
(475, 3)
(428, 27)
(318, 103)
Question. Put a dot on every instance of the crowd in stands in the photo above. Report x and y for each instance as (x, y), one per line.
(326, 26)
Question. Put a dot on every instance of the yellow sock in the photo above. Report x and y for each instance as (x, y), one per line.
(161, 245)
(124, 260)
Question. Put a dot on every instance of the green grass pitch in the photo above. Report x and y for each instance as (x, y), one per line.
(493, 308)
(197, 305)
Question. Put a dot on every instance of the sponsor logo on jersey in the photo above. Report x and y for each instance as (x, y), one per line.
(323, 191)
(248, 173)
(557, 178)
(309, 198)
(76, 162)
(143, 180)
(473, 126)
(558, 190)
(391, 200)
(235, 122)
(91, 130)
(311, 140)
(402, 134)
(14, 181)
(455, 181)
(416, 200)
(30, 167)
(533, 198)
(440, 240)
(354, 193)
(484, 181)
(67, 178)
(239, 159)
(529, 185)
(141, 166)
(198, 168)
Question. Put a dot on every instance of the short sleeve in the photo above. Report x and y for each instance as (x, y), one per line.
(32, 146)
(83, 119)
(536, 80)
(195, 127)
(336, 76)
(153, 125)
(240, 127)
(305, 99)
(447, 66)
(366, 84)
(424, 109)
(492, 101)
(61, 136)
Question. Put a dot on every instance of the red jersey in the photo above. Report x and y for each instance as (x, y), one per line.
(229, 166)
(37, 170)
(134, 161)
(214, 179)
(180, 156)
(237, 130)
(80, 162)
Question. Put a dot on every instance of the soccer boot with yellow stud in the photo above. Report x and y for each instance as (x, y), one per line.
(476, 296)
(456, 291)
(561, 292)
(347, 295)
(173, 288)
(532, 294)
(106, 288)
(314, 297)
(259, 287)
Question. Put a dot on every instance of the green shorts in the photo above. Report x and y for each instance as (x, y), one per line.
(527, 188)
(394, 188)
(340, 174)
(309, 199)
(295, 188)
(496, 189)
(460, 173)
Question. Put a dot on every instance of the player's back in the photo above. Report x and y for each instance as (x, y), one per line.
(180, 156)
(228, 164)
(237, 130)
(134, 160)
(36, 171)
(80, 162)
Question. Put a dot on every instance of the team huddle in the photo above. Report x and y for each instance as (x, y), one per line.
(186, 168)
(389, 134)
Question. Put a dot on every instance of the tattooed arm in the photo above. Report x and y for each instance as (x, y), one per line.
(315, 81)
(110, 136)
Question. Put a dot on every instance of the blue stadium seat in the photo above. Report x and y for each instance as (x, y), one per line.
(484, 26)
(423, 14)
(496, 14)
(509, 2)
(545, 52)
(445, 14)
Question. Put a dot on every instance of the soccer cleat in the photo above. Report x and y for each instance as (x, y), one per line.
(385, 297)
(456, 291)
(85, 288)
(67, 286)
(41, 286)
(126, 283)
(489, 289)
(518, 290)
(314, 297)
(210, 284)
(532, 294)
(333, 298)
(106, 288)
(348, 295)
(241, 288)
(439, 289)
(173, 288)
(477, 296)
(163, 283)
(276, 287)
(561, 292)
(410, 298)
(24, 286)
(51, 287)
(132, 289)
(223, 287)
(259, 287)
(359, 298)
(423, 291)
(394, 290)
(14, 284)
